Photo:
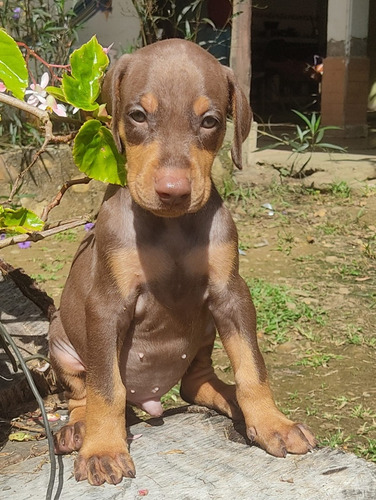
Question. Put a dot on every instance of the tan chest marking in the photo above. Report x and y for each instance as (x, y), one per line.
(131, 268)
(217, 261)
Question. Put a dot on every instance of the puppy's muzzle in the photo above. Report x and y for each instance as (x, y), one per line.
(173, 190)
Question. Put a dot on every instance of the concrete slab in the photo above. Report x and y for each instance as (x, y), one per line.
(189, 457)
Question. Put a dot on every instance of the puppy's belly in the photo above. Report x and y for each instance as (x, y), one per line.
(152, 361)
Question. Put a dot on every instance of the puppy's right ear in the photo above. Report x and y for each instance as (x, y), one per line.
(111, 94)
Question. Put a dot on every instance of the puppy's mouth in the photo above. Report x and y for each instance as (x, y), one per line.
(168, 206)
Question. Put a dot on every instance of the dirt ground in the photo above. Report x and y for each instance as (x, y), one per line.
(309, 256)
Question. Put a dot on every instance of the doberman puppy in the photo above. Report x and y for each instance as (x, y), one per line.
(158, 275)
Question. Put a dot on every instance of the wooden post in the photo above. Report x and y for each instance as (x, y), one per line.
(240, 55)
(240, 62)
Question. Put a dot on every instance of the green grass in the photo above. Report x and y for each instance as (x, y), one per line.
(335, 440)
(340, 189)
(52, 268)
(172, 397)
(354, 335)
(369, 249)
(353, 269)
(367, 451)
(232, 191)
(43, 277)
(69, 235)
(314, 359)
(330, 228)
(360, 412)
(279, 311)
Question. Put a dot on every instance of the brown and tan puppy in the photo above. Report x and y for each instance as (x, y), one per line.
(158, 276)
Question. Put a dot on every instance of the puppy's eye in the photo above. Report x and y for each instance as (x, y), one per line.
(209, 122)
(138, 116)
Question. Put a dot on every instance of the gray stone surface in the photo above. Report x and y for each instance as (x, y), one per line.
(189, 457)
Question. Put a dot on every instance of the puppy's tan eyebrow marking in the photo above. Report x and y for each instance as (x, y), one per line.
(201, 105)
(149, 102)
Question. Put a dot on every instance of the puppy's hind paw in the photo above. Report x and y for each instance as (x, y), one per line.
(69, 438)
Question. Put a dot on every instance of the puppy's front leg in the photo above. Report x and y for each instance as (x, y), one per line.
(235, 318)
(104, 454)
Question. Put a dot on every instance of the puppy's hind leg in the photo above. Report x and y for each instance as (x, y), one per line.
(200, 385)
(71, 373)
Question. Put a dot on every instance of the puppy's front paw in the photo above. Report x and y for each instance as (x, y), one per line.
(278, 436)
(104, 467)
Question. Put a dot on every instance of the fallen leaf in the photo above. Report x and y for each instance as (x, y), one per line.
(51, 417)
(21, 436)
(134, 436)
(289, 480)
(320, 213)
(172, 452)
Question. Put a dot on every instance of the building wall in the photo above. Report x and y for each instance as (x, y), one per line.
(371, 52)
(121, 27)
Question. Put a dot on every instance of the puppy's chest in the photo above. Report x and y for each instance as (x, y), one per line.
(166, 275)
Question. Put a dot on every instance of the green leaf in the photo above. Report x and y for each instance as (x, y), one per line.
(316, 122)
(21, 220)
(13, 71)
(326, 145)
(96, 155)
(57, 92)
(302, 148)
(270, 146)
(319, 136)
(303, 117)
(300, 133)
(331, 127)
(88, 63)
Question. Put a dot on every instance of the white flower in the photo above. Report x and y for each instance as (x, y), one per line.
(37, 93)
(107, 50)
(40, 98)
(50, 105)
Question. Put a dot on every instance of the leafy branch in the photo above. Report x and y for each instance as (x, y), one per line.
(94, 149)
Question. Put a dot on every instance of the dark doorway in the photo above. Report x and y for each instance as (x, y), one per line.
(288, 45)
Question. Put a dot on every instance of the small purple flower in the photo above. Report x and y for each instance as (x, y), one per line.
(3, 236)
(17, 13)
(89, 226)
(24, 244)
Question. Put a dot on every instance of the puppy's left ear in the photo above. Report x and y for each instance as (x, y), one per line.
(241, 113)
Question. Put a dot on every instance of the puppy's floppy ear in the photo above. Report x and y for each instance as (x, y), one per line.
(111, 94)
(241, 113)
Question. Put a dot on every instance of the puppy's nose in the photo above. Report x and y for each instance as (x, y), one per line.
(173, 190)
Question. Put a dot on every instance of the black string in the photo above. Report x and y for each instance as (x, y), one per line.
(39, 399)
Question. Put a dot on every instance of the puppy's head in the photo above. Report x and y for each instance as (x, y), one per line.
(169, 105)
